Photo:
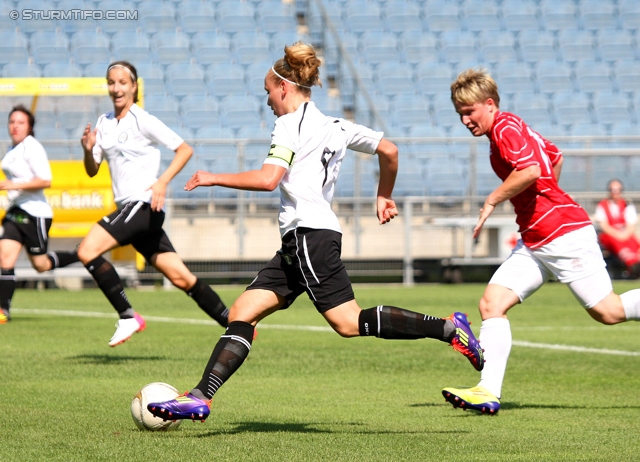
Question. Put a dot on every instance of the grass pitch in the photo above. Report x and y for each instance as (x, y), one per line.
(309, 395)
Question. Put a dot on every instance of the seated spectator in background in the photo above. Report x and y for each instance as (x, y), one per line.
(617, 220)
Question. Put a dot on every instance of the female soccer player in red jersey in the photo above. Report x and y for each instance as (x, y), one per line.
(558, 241)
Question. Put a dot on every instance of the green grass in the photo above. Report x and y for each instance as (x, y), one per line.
(307, 395)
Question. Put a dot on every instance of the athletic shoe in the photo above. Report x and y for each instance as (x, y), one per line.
(465, 342)
(476, 398)
(5, 317)
(186, 406)
(125, 328)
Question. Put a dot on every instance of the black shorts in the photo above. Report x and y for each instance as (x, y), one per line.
(32, 232)
(309, 261)
(138, 225)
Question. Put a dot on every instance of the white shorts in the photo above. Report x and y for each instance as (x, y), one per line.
(574, 259)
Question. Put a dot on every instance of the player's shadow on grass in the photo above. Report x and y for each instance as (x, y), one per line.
(108, 359)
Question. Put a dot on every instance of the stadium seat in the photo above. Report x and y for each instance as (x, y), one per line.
(196, 16)
(170, 47)
(21, 70)
(598, 14)
(236, 17)
(126, 9)
(593, 76)
(497, 46)
(255, 74)
(615, 45)
(130, 45)
(225, 80)
(629, 11)
(6, 23)
(49, 46)
(553, 77)
(611, 108)
(261, 134)
(275, 15)
(97, 69)
(250, 47)
(333, 58)
(433, 78)
(625, 128)
(153, 76)
(240, 110)
(62, 69)
(74, 25)
(211, 48)
(418, 47)
(402, 16)
(213, 132)
(157, 16)
(410, 111)
(520, 15)
(480, 15)
(446, 176)
(558, 15)
(573, 177)
(361, 16)
(378, 47)
(164, 107)
(571, 108)
(457, 46)
(533, 108)
(286, 37)
(185, 79)
(627, 75)
(29, 26)
(198, 111)
(443, 111)
(13, 47)
(576, 45)
(603, 168)
(89, 46)
(513, 77)
(537, 46)
(395, 78)
(441, 15)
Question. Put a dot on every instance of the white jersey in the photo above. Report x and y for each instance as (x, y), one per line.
(630, 214)
(130, 147)
(25, 162)
(311, 147)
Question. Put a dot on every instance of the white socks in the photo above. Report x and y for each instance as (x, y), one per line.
(495, 339)
(631, 304)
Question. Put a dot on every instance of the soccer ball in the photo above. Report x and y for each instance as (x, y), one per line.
(153, 393)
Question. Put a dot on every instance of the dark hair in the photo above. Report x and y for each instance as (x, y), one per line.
(27, 112)
(132, 70)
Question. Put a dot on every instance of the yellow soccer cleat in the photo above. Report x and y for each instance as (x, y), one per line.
(476, 398)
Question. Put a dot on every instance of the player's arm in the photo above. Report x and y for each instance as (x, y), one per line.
(514, 184)
(388, 161)
(159, 188)
(557, 168)
(266, 179)
(88, 141)
(34, 184)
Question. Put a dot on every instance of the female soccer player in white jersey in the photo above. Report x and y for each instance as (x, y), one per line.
(306, 152)
(127, 138)
(558, 241)
(29, 215)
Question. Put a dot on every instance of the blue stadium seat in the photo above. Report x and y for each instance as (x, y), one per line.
(185, 79)
(513, 77)
(130, 45)
(153, 76)
(627, 75)
(379, 47)
(164, 107)
(210, 47)
(520, 15)
(333, 59)
(553, 77)
(571, 108)
(395, 79)
(286, 37)
(157, 16)
(537, 46)
(170, 47)
(250, 47)
(480, 15)
(89, 46)
(551, 132)
(433, 78)
(29, 26)
(576, 45)
(348, 84)
(27, 69)
(225, 80)
(443, 111)
(598, 14)
(74, 25)
(196, 16)
(262, 134)
(236, 17)
(458, 46)
(615, 45)
(274, 16)
(625, 128)
(587, 129)
(361, 16)
(240, 110)
(610, 107)
(13, 46)
(62, 69)
(603, 168)
(213, 132)
(6, 23)
(125, 9)
(255, 74)
(558, 14)
(410, 111)
(593, 76)
(74, 113)
(441, 15)
(49, 46)
(573, 177)
(497, 46)
(446, 176)
(97, 69)
(364, 116)
(402, 16)
(533, 108)
(327, 104)
(418, 47)
(629, 11)
(198, 111)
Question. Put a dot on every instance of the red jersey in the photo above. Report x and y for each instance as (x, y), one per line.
(544, 212)
(617, 221)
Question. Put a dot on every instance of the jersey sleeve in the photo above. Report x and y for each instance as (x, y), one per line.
(36, 157)
(283, 146)
(515, 148)
(630, 214)
(600, 215)
(361, 138)
(154, 129)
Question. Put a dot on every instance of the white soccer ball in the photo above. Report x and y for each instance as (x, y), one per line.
(153, 393)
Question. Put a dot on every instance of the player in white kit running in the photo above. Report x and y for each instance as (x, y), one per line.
(127, 139)
(558, 241)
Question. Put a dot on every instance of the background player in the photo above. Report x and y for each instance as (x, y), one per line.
(307, 149)
(29, 215)
(558, 240)
(127, 138)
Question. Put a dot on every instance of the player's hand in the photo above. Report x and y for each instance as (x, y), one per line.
(158, 193)
(200, 178)
(88, 139)
(486, 210)
(6, 185)
(386, 210)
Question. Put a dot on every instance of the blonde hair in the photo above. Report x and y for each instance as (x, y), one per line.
(474, 86)
(300, 65)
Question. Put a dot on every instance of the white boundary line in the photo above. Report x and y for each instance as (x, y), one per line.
(95, 314)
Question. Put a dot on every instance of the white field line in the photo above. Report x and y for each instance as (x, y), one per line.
(94, 314)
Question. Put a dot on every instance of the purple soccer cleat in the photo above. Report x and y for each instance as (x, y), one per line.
(465, 342)
(185, 406)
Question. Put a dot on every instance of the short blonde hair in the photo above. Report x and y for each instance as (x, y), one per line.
(474, 86)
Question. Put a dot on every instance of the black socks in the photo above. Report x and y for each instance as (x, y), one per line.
(228, 355)
(390, 322)
(7, 287)
(110, 283)
(62, 259)
(209, 301)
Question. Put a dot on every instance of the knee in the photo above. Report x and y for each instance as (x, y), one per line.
(606, 318)
(85, 255)
(490, 308)
(41, 267)
(346, 331)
